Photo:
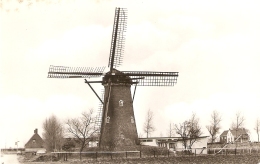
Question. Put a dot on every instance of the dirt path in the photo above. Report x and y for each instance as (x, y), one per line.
(9, 159)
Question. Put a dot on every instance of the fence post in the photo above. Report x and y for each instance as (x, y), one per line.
(111, 155)
(96, 155)
(226, 151)
(140, 154)
(235, 151)
(195, 152)
(168, 153)
(154, 153)
(126, 154)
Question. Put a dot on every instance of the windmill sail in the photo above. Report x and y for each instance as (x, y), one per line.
(118, 38)
(98, 119)
(74, 72)
(144, 78)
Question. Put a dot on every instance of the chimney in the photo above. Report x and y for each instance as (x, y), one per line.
(36, 131)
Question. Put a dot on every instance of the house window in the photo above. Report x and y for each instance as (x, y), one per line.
(33, 141)
(132, 120)
(108, 119)
(171, 145)
(121, 103)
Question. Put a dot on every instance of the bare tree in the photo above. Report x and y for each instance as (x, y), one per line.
(257, 127)
(214, 126)
(53, 133)
(238, 123)
(183, 130)
(82, 128)
(194, 128)
(171, 130)
(148, 124)
(189, 131)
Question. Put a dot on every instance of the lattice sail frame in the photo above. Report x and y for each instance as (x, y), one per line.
(118, 38)
(98, 119)
(75, 72)
(145, 78)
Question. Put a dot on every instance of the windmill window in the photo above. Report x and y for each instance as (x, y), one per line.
(121, 103)
(122, 136)
(108, 119)
(33, 141)
(132, 120)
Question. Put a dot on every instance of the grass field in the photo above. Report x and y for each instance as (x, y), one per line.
(205, 159)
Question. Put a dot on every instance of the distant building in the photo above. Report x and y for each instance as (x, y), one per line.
(231, 136)
(176, 143)
(35, 143)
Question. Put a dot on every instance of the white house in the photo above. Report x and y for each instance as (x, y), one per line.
(230, 136)
(176, 143)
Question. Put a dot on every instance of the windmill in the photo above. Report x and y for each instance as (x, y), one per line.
(117, 121)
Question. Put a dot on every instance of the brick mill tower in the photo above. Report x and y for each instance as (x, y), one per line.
(118, 128)
(116, 120)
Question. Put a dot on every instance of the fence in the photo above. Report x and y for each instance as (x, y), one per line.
(233, 151)
(99, 154)
(155, 154)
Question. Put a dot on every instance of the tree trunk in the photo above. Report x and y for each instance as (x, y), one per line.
(80, 155)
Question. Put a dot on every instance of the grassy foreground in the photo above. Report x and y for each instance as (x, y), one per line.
(205, 159)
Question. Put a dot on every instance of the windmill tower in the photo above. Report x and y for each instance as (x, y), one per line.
(118, 127)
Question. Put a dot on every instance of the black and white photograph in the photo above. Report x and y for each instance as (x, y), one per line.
(120, 81)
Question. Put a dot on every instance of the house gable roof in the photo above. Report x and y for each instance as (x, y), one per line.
(234, 132)
(35, 141)
(238, 132)
(224, 133)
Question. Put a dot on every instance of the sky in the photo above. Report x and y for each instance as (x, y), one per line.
(214, 45)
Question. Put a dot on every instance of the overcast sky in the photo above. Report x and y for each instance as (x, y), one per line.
(213, 45)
